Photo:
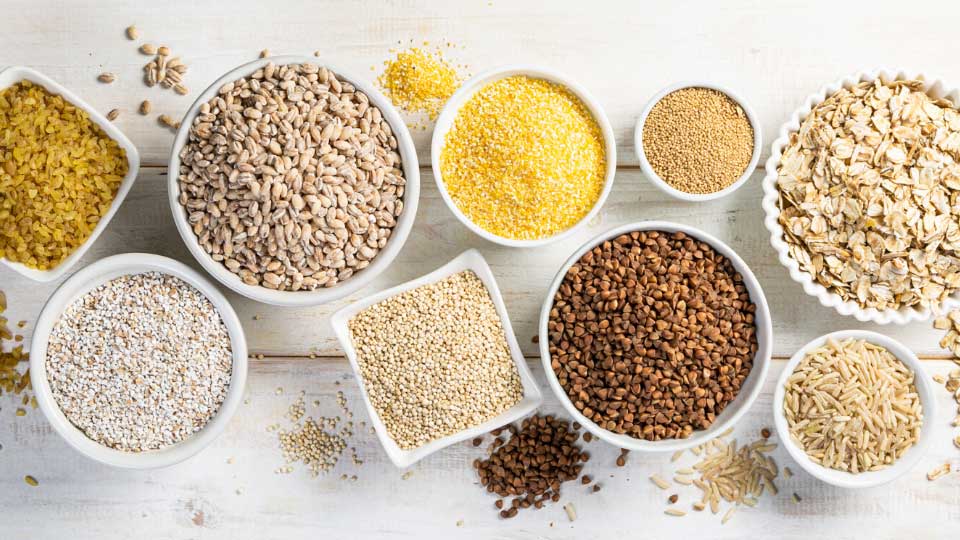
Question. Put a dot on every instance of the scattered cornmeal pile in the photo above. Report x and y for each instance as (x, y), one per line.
(420, 81)
(698, 140)
(652, 334)
(12, 380)
(315, 443)
(524, 159)
(868, 189)
(59, 174)
(724, 471)
(532, 464)
(435, 360)
(853, 406)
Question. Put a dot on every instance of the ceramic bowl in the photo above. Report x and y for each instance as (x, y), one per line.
(468, 260)
(748, 391)
(15, 74)
(460, 98)
(660, 182)
(319, 296)
(871, 478)
(92, 277)
(935, 88)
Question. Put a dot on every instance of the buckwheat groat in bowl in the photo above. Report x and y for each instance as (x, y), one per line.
(655, 336)
(292, 182)
(861, 195)
(138, 361)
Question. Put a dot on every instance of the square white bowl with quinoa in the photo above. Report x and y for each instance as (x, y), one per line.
(494, 359)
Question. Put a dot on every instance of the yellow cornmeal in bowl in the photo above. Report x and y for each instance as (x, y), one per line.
(524, 159)
(59, 174)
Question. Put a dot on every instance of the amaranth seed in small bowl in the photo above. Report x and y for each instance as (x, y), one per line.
(697, 142)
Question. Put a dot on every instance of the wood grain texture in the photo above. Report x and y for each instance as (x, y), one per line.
(143, 224)
(773, 53)
(199, 499)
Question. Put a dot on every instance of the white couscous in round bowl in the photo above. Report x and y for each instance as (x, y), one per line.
(88, 279)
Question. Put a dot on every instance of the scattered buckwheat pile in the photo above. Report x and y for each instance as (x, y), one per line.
(532, 464)
(698, 140)
(435, 360)
(318, 444)
(140, 363)
(868, 190)
(652, 334)
(291, 178)
(524, 158)
(853, 406)
(724, 471)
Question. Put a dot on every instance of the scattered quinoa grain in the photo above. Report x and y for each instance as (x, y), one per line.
(698, 140)
(524, 159)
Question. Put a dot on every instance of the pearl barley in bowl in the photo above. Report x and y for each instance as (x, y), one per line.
(522, 156)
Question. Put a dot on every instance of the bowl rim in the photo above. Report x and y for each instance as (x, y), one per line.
(932, 86)
(452, 108)
(752, 386)
(660, 182)
(845, 479)
(85, 280)
(470, 259)
(411, 197)
(13, 74)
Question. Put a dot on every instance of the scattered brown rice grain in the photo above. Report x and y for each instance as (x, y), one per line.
(676, 455)
(571, 511)
(674, 512)
(659, 482)
(107, 78)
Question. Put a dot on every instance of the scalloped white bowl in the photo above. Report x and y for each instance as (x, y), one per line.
(935, 88)
(411, 196)
(871, 478)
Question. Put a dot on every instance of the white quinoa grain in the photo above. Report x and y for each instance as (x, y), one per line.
(140, 363)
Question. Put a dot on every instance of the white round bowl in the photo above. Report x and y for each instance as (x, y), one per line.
(935, 88)
(411, 196)
(871, 478)
(88, 279)
(748, 391)
(449, 115)
(660, 182)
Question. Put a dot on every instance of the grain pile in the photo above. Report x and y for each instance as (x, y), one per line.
(698, 140)
(869, 190)
(140, 363)
(435, 360)
(652, 334)
(13, 380)
(420, 81)
(59, 174)
(291, 178)
(532, 464)
(317, 443)
(524, 159)
(853, 406)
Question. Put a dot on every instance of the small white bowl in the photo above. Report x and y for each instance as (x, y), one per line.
(935, 88)
(660, 182)
(871, 478)
(411, 196)
(460, 98)
(92, 277)
(748, 391)
(15, 74)
(468, 260)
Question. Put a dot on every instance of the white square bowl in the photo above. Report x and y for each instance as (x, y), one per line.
(532, 398)
(15, 74)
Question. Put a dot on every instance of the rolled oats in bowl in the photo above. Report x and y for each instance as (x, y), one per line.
(867, 195)
(291, 178)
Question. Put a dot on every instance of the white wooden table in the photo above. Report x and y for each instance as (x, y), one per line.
(773, 54)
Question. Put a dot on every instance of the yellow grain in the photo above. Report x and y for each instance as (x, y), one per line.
(524, 158)
(60, 173)
(419, 81)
